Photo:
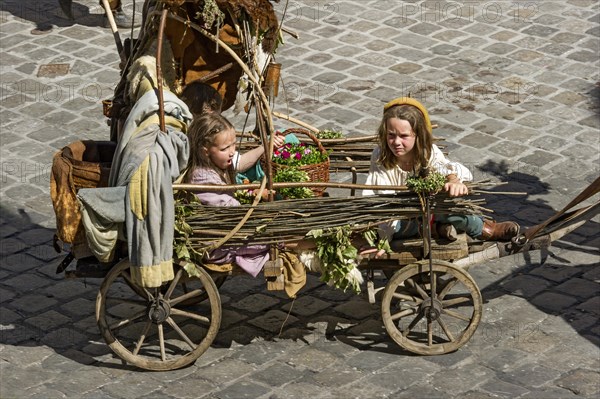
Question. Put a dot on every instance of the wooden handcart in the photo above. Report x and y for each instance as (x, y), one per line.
(429, 305)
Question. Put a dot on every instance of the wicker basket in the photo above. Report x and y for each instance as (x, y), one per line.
(316, 172)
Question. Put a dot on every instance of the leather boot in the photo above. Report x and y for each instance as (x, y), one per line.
(446, 231)
(504, 231)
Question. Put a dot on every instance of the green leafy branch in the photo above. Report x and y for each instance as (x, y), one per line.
(426, 183)
(339, 256)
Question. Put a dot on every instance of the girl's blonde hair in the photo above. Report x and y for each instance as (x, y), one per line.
(423, 140)
(201, 134)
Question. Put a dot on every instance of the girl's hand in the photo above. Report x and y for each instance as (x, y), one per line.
(278, 139)
(456, 189)
(367, 252)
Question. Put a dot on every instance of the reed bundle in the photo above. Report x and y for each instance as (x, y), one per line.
(290, 220)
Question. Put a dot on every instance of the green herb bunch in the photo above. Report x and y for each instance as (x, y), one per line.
(293, 174)
(431, 183)
(427, 182)
(329, 134)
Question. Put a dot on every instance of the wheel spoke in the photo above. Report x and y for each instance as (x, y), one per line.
(179, 312)
(173, 284)
(447, 287)
(181, 333)
(456, 301)
(412, 324)
(456, 315)
(419, 289)
(429, 333)
(433, 289)
(122, 323)
(127, 276)
(140, 341)
(445, 329)
(126, 300)
(184, 297)
(406, 297)
(161, 340)
(403, 313)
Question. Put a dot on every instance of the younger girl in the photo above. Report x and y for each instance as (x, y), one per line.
(214, 160)
(406, 146)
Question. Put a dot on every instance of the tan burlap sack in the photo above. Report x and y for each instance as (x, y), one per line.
(82, 164)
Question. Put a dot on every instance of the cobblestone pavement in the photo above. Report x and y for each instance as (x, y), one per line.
(514, 88)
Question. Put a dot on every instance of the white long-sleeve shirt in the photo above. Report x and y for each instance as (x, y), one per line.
(379, 176)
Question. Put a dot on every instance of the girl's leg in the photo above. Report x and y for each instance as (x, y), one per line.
(470, 224)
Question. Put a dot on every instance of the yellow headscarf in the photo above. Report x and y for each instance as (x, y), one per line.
(414, 103)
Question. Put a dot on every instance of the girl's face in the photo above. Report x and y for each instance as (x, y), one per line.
(400, 138)
(222, 150)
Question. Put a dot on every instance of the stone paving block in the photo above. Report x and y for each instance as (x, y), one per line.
(47, 320)
(456, 381)
(329, 378)
(581, 321)
(21, 263)
(530, 375)
(79, 307)
(371, 361)
(550, 392)
(539, 158)
(26, 282)
(306, 306)
(355, 308)
(477, 140)
(555, 273)
(579, 288)
(507, 149)
(365, 388)
(241, 335)
(17, 334)
(591, 305)
(19, 383)
(553, 301)
(186, 388)
(312, 359)
(230, 317)
(36, 237)
(5, 295)
(255, 303)
(32, 303)
(583, 56)
(273, 320)
(278, 374)
(300, 390)
(63, 337)
(503, 389)
(25, 356)
(227, 370)
(581, 382)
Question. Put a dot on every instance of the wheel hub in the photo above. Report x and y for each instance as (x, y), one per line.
(159, 310)
(431, 308)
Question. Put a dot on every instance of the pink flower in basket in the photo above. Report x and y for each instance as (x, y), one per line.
(299, 155)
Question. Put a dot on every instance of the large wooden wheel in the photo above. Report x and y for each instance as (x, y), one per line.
(429, 324)
(163, 328)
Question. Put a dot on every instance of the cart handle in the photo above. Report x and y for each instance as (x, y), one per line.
(588, 192)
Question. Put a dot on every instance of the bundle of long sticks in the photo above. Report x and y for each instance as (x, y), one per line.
(290, 220)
